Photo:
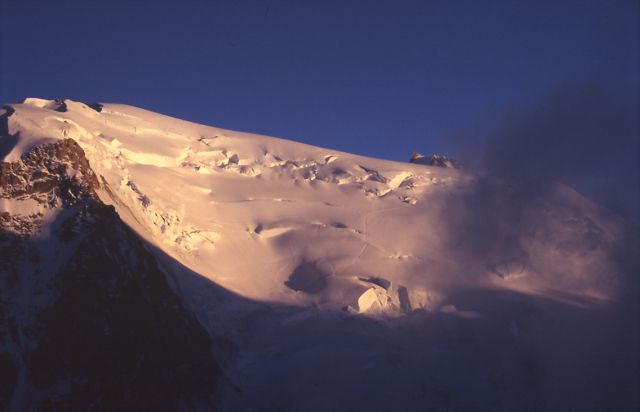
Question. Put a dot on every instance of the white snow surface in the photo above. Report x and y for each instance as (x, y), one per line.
(279, 221)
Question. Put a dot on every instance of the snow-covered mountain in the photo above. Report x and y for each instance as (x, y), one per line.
(150, 262)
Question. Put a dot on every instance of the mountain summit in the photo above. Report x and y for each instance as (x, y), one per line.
(220, 269)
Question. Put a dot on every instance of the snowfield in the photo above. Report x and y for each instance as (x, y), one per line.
(360, 282)
(279, 221)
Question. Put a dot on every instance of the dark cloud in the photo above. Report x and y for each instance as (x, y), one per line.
(516, 214)
(585, 134)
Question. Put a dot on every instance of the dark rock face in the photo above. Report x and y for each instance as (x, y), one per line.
(96, 106)
(87, 319)
(43, 174)
(433, 160)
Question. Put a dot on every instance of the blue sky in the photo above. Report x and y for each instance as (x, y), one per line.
(378, 78)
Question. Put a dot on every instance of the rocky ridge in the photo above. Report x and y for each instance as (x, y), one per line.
(87, 318)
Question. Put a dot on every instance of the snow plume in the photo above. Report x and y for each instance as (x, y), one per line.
(585, 134)
(510, 217)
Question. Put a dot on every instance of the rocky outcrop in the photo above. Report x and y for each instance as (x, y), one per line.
(87, 318)
(49, 172)
(433, 160)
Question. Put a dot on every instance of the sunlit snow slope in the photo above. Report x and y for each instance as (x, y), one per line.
(280, 221)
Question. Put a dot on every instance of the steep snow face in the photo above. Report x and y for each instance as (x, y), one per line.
(279, 221)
